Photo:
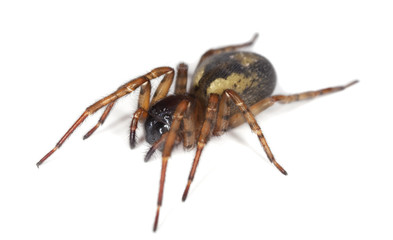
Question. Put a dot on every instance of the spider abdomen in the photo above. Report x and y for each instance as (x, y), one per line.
(251, 75)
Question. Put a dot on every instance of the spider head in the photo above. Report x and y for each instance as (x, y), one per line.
(156, 126)
(159, 118)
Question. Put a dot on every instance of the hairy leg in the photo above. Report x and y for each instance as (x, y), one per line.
(227, 49)
(245, 111)
(122, 91)
(101, 121)
(141, 112)
(181, 79)
(238, 119)
(208, 124)
(190, 127)
(163, 89)
(169, 143)
(222, 116)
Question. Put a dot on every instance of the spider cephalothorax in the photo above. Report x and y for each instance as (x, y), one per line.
(229, 88)
(160, 115)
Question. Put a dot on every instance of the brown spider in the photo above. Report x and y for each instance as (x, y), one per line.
(229, 87)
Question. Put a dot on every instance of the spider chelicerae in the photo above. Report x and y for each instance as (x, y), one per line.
(229, 87)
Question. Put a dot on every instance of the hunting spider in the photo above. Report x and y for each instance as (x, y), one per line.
(229, 87)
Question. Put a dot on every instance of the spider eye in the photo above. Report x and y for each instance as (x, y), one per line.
(155, 128)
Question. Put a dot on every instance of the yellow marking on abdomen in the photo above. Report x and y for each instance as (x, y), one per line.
(235, 81)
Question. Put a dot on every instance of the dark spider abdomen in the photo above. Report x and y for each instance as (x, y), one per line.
(250, 75)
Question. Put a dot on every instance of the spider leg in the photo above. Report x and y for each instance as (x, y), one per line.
(227, 48)
(144, 96)
(158, 144)
(260, 106)
(169, 143)
(202, 140)
(188, 133)
(101, 121)
(181, 79)
(222, 116)
(143, 105)
(189, 127)
(122, 91)
(189, 119)
(141, 112)
(253, 125)
(163, 89)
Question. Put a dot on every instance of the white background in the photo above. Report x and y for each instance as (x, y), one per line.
(58, 57)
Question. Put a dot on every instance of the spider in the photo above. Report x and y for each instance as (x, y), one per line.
(229, 87)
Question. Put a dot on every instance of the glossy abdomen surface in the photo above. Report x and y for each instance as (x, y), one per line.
(251, 75)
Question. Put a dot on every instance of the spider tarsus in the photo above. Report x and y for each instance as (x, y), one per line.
(89, 133)
(254, 38)
(132, 143)
(184, 198)
(132, 139)
(86, 136)
(281, 169)
(38, 164)
(156, 219)
(352, 83)
(185, 194)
